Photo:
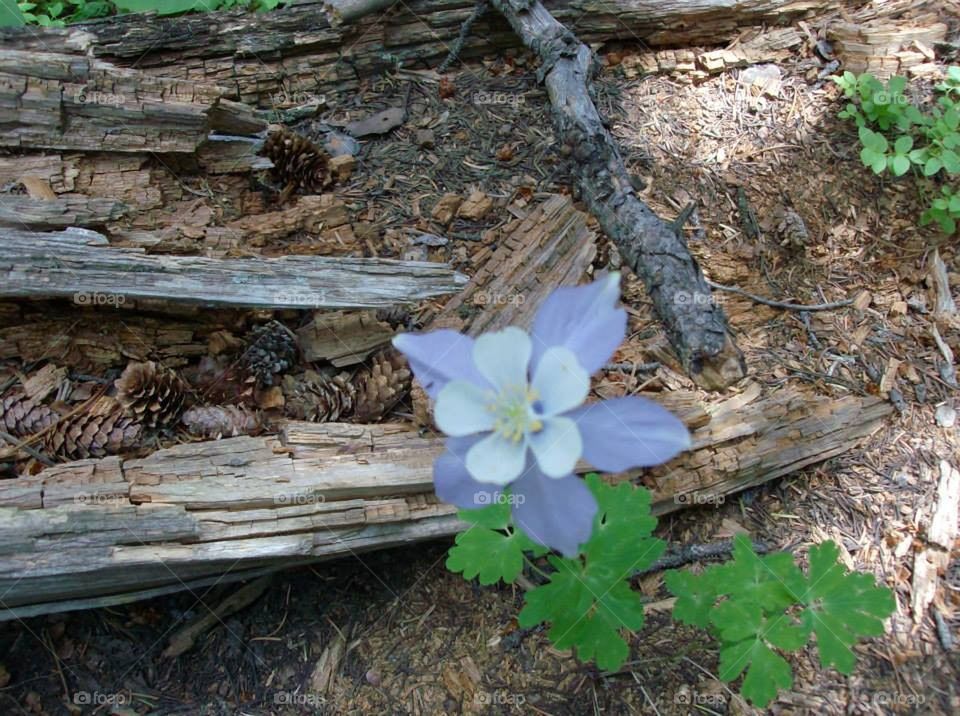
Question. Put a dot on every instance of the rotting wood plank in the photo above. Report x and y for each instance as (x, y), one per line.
(80, 264)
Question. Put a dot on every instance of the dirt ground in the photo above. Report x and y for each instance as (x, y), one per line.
(394, 633)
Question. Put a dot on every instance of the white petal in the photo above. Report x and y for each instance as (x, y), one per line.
(560, 381)
(557, 447)
(462, 409)
(496, 460)
(502, 357)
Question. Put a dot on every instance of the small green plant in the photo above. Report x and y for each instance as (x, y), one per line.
(757, 607)
(760, 606)
(898, 136)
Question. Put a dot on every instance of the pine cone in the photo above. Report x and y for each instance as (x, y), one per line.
(101, 430)
(152, 394)
(317, 398)
(396, 316)
(216, 421)
(22, 416)
(271, 350)
(298, 162)
(381, 386)
(790, 228)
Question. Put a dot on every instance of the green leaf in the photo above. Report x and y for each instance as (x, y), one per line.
(11, 15)
(767, 671)
(695, 595)
(951, 161)
(903, 144)
(932, 166)
(841, 607)
(772, 581)
(900, 165)
(621, 538)
(161, 7)
(588, 600)
(491, 554)
(490, 549)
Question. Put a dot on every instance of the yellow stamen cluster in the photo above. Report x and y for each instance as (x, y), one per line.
(513, 416)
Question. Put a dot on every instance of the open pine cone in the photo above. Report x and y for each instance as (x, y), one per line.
(298, 162)
(381, 386)
(364, 397)
(221, 421)
(101, 430)
(317, 398)
(151, 394)
(21, 416)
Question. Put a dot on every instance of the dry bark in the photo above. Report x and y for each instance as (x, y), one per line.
(323, 490)
(294, 52)
(87, 268)
(25, 213)
(654, 249)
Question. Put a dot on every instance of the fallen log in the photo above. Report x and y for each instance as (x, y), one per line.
(102, 531)
(654, 249)
(64, 101)
(294, 51)
(80, 264)
(109, 531)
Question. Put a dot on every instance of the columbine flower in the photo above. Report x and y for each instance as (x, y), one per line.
(512, 405)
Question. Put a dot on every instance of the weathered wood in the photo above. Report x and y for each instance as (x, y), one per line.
(323, 490)
(654, 249)
(25, 213)
(80, 264)
(293, 51)
(64, 101)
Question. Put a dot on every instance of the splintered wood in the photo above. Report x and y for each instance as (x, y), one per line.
(87, 267)
(323, 490)
(213, 47)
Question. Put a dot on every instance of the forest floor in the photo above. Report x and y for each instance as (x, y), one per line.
(393, 632)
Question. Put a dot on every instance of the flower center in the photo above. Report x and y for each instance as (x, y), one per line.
(513, 412)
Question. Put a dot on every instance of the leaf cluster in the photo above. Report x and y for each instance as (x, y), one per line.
(896, 135)
(587, 600)
(761, 606)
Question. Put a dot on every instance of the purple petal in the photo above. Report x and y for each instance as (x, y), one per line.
(555, 512)
(453, 483)
(438, 357)
(583, 319)
(629, 432)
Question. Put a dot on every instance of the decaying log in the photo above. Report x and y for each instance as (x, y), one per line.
(62, 101)
(80, 264)
(654, 249)
(25, 213)
(107, 528)
(294, 52)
